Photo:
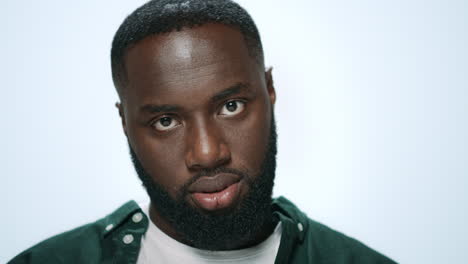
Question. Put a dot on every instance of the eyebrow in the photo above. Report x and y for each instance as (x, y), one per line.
(234, 89)
(150, 108)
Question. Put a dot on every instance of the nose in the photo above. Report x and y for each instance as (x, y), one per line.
(206, 148)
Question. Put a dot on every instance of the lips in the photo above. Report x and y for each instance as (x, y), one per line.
(213, 184)
(217, 192)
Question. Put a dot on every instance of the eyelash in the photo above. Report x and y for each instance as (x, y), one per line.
(242, 101)
(153, 122)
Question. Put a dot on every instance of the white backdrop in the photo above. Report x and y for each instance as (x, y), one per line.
(372, 117)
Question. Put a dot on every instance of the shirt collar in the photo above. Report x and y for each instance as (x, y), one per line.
(130, 217)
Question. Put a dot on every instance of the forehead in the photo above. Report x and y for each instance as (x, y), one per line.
(191, 61)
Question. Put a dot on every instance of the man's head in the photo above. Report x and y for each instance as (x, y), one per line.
(157, 17)
(197, 110)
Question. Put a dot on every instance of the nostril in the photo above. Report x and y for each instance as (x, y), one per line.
(206, 147)
(197, 160)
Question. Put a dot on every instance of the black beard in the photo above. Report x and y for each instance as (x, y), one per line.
(228, 229)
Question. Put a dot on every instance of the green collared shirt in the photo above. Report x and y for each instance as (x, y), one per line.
(116, 239)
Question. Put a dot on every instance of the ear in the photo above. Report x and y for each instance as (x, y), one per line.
(270, 87)
(122, 116)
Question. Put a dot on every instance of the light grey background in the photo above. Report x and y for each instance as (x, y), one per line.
(372, 117)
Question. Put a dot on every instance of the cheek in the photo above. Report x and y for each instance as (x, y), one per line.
(248, 141)
(162, 159)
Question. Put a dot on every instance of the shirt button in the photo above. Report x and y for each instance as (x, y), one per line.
(109, 227)
(127, 239)
(137, 217)
(300, 227)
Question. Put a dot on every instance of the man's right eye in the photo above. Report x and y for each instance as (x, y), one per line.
(165, 123)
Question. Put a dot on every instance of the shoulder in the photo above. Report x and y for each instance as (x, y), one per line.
(332, 244)
(79, 245)
(322, 244)
(62, 247)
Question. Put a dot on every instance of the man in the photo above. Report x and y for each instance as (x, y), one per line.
(197, 110)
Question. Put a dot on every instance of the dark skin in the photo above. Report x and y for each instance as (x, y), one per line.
(196, 99)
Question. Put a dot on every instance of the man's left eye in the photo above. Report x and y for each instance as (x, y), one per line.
(232, 108)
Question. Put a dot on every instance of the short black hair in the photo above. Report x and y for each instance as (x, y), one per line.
(162, 16)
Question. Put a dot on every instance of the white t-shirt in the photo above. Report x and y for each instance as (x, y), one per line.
(157, 247)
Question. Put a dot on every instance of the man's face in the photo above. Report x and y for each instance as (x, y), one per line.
(197, 111)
